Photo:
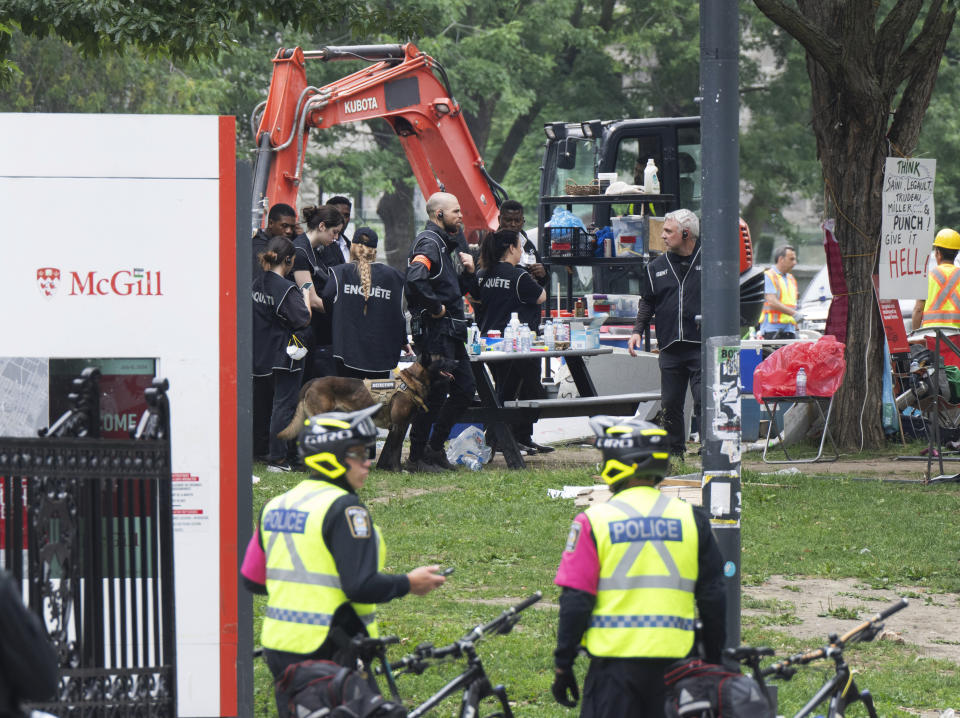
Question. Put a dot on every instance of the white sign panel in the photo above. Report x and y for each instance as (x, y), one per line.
(907, 228)
(120, 237)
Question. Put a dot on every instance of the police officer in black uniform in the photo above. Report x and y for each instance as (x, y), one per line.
(281, 222)
(324, 576)
(438, 275)
(368, 294)
(309, 264)
(339, 251)
(511, 218)
(279, 309)
(670, 295)
(505, 288)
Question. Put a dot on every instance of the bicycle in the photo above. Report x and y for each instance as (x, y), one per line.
(473, 681)
(840, 689)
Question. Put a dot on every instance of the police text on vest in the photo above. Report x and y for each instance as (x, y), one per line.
(646, 528)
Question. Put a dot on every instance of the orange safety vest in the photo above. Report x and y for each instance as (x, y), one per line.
(942, 307)
(786, 294)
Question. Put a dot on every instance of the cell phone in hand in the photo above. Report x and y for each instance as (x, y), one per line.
(445, 571)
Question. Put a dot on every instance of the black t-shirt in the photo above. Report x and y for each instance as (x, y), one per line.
(308, 259)
(504, 289)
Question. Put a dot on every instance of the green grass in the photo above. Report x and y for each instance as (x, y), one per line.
(504, 536)
(880, 533)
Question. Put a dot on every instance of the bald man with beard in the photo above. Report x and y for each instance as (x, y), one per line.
(438, 275)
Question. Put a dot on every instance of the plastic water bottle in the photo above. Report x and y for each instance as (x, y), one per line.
(651, 182)
(526, 340)
(549, 338)
(801, 382)
(473, 339)
(509, 339)
(514, 326)
(471, 461)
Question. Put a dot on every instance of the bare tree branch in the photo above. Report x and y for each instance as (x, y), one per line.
(815, 41)
(935, 24)
(905, 128)
(893, 34)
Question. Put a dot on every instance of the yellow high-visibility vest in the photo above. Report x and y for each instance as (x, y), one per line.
(303, 585)
(647, 544)
(786, 286)
(942, 307)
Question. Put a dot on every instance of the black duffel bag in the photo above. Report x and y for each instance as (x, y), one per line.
(324, 689)
(695, 689)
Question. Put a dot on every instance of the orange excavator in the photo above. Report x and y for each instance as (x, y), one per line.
(405, 87)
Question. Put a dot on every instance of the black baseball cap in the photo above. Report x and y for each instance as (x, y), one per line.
(366, 236)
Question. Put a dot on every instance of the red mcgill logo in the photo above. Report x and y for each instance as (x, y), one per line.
(48, 278)
(135, 282)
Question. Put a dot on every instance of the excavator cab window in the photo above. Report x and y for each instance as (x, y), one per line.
(632, 156)
(689, 187)
(572, 159)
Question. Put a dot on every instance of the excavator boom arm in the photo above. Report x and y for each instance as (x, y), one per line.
(400, 86)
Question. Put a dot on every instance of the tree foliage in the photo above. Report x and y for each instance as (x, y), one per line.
(186, 29)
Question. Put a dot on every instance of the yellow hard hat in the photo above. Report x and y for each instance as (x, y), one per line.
(947, 238)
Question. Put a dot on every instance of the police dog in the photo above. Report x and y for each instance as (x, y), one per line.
(400, 397)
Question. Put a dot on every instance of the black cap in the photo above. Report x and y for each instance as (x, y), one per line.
(365, 236)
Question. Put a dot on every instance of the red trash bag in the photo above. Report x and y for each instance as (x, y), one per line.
(823, 361)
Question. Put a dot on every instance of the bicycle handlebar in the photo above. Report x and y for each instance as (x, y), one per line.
(747, 653)
(416, 662)
(885, 613)
(503, 619)
(866, 631)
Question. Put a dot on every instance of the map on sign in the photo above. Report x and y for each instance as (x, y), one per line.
(907, 227)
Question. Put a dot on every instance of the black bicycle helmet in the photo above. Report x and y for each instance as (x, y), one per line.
(325, 439)
(631, 447)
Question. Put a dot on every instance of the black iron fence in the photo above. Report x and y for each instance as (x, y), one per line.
(86, 525)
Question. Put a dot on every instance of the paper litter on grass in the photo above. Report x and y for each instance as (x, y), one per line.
(569, 492)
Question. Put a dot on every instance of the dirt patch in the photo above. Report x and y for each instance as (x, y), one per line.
(931, 622)
(582, 453)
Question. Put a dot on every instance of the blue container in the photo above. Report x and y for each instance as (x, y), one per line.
(749, 361)
(458, 429)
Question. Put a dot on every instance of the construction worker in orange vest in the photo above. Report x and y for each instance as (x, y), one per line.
(780, 314)
(942, 306)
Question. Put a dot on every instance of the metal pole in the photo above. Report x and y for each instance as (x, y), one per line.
(719, 47)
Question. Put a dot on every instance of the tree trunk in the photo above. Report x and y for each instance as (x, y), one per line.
(849, 127)
(396, 210)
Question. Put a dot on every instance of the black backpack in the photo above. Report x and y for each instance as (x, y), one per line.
(696, 689)
(324, 689)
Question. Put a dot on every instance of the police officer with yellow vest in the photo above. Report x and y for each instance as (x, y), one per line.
(780, 314)
(942, 307)
(317, 554)
(635, 572)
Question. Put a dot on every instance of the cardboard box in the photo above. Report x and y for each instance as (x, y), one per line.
(654, 228)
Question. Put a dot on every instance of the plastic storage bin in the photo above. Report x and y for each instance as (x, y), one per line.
(616, 305)
(631, 235)
(569, 242)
